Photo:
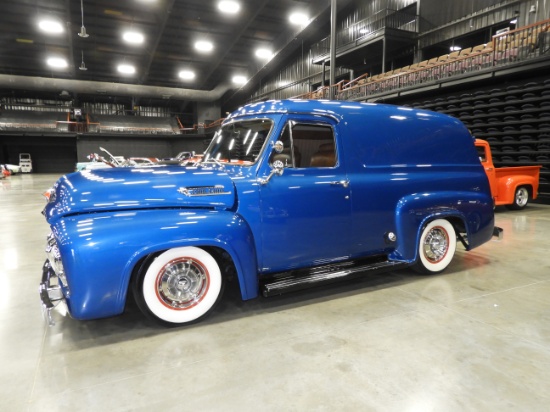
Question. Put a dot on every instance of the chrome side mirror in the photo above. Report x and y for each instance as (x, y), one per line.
(278, 146)
(277, 168)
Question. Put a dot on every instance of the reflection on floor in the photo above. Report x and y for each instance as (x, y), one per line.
(475, 338)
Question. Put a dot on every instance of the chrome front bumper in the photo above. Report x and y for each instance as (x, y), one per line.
(50, 292)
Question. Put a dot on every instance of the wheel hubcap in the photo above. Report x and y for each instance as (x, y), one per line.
(521, 197)
(436, 244)
(182, 283)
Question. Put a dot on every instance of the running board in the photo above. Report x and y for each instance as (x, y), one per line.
(294, 280)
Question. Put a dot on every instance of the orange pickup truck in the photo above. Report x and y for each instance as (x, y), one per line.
(510, 186)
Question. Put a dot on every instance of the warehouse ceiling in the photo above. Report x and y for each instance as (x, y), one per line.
(91, 44)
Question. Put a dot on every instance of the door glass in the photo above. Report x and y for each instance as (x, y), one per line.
(307, 146)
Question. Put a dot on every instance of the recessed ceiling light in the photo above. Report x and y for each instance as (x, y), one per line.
(229, 6)
(50, 26)
(57, 62)
(299, 18)
(204, 46)
(455, 48)
(133, 37)
(239, 80)
(126, 69)
(264, 53)
(186, 75)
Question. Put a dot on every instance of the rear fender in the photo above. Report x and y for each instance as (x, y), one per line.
(507, 187)
(469, 212)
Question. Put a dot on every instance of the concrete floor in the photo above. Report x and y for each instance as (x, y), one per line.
(476, 338)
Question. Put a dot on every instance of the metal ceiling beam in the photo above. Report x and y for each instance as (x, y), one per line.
(214, 66)
(161, 29)
(46, 84)
(69, 36)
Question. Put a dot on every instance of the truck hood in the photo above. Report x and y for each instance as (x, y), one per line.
(140, 188)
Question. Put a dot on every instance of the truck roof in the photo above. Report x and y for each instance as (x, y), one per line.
(383, 134)
(334, 108)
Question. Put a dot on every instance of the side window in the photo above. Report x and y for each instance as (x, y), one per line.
(481, 153)
(307, 145)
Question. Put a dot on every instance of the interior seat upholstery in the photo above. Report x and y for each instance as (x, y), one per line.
(324, 157)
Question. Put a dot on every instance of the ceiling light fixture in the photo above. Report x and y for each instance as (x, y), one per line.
(82, 65)
(186, 75)
(455, 48)
(299, 18)
(126, 69)
(229, 6)
(133, 37)
(57, 62)
(50, 26)
(204, 46)
(240, 80)
(264, 53)
(82, 29)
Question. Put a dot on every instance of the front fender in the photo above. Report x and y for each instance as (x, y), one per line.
(475, 211)
(99, 251)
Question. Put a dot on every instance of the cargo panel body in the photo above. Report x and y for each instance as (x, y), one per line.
(320, 184)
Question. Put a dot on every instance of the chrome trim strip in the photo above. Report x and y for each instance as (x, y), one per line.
(195, 191)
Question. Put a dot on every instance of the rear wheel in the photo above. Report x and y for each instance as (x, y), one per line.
(521, 198)
(436, 247)
(180, 286)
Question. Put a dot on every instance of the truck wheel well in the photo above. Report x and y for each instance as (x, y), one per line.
(459, 227)
(457, 223)
(529, 189)
(223, 259)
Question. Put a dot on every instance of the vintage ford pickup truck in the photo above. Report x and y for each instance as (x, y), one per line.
(289, 194)
(510, 186)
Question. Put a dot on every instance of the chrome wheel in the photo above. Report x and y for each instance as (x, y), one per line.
(436, 244)
(436, 247)
(522, 197)
(182, 283)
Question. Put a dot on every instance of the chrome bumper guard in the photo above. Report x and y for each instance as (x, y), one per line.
(498, 232)
(50, 294)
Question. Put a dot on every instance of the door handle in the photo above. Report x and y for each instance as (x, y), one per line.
(344, 183)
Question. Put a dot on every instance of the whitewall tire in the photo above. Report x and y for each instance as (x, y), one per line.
(436, 247)
(180, 286)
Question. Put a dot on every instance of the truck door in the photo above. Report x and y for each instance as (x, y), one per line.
(306, 211)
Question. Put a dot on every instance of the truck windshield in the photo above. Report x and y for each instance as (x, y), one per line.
(239, 142)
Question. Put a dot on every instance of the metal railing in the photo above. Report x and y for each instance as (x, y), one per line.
(506, 48)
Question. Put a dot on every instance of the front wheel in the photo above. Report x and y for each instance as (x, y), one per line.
(180, 286)
(521, 198)
(436, 247)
